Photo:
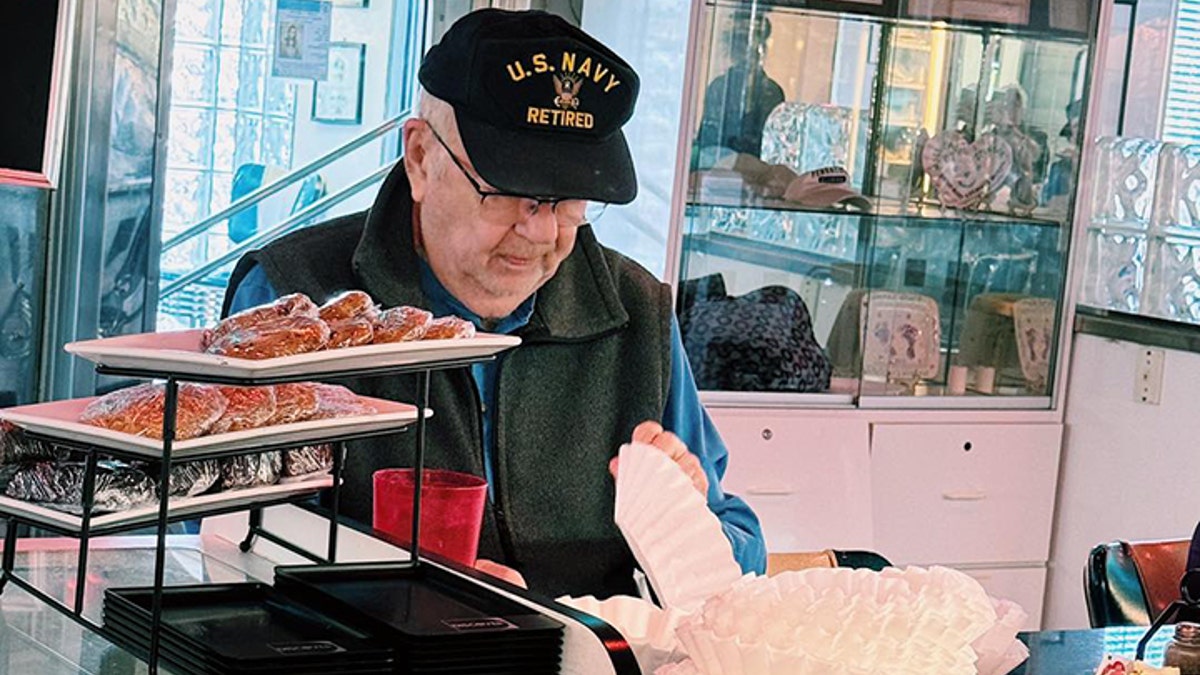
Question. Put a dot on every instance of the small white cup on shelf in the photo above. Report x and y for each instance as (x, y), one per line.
(985, 379)
(956, 382)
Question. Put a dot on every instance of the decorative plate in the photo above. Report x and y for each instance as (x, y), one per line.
(1033, 320)
(901, 336)
(966, 174)
(179, 352)
(60, 419)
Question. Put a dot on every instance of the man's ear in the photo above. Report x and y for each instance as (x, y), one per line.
(416, 163)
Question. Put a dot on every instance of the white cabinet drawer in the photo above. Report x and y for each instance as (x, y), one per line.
(807, 479)
(1024, 586)
(964, 494)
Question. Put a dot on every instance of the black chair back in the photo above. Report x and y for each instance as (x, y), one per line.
(1113, 588)
(1132, 583)
(861, 560)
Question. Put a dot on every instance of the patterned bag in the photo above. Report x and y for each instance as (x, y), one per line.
(760, 341)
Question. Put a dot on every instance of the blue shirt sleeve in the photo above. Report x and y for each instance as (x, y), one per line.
(254, 290)
(686, 418)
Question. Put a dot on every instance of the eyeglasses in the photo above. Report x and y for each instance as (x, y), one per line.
(570, 213)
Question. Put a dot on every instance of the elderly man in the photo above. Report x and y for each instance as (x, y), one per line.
(519, 130)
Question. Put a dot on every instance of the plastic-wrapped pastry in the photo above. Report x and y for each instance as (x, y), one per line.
(349, 305)
(16, 446)
(251, 470)
(188, 479)
(337, 401)
(60, 485)
(351, 332)
(139, 410)
(281, 337)
(246, 408)
(294, 402)
(401, 324)
(295, 304)
(306, 460)
(449, 328)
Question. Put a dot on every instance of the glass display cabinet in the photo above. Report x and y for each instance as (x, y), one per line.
(879, 198)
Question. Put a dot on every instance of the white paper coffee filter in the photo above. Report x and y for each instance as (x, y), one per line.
(649, 630)
(676, 539)
(998, 650)
(713, 655)
(682, 668)
(914, 621)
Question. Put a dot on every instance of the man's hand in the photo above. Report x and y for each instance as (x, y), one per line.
(775, 181)
(502, 572)
(768, 180)
(652, 433)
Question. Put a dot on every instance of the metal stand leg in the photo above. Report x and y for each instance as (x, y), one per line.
(419, 466)
(160, 550)
(85, 530)
(255, 529)
(339, 456)
(10, 552)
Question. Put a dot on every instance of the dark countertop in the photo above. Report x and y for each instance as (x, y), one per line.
(1078, 652)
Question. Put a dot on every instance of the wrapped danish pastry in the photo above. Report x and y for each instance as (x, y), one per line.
(279, 337)
(139, 410)
(245, 408)
(449, 328)
(295, 304)
(402, 324)
(294, 402)
(349, 305)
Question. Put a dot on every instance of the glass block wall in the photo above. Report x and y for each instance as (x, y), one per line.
(226, 113)
(24, 215)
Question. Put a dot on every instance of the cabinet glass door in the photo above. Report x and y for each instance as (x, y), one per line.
(879, 206)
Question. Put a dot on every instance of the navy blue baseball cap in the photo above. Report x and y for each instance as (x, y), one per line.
(539, 104)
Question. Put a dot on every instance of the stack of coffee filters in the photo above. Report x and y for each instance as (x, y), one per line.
(916, 621)
(649, 630)
(913, 621)
(999, 650)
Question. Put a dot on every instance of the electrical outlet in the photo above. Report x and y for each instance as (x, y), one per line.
(1148, 379)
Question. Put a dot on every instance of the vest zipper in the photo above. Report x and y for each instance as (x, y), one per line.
(497, 510)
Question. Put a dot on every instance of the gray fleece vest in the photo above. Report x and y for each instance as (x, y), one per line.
(594, 362)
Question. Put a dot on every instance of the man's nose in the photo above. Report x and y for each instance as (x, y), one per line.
(539, 226)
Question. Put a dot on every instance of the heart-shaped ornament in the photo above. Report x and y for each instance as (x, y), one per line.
(965, 173)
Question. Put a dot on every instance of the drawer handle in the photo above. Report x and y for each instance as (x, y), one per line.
(964, 495)
(770, 492)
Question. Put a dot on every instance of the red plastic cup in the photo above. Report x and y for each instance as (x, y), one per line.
(451, 510)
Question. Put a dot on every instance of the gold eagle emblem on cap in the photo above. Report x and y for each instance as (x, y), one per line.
(567, 87)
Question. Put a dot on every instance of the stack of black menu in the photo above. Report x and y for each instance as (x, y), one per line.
(436, 622)
(245, 628)
(345, 618)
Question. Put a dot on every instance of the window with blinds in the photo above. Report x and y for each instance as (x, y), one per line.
(1181, 116)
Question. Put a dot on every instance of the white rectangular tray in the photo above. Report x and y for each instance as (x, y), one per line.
(179, 352)
(182, 506)
(59, 419)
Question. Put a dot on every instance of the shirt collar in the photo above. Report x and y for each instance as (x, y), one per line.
(443, 303)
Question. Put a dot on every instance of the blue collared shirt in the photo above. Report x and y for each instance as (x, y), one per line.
(684, 414)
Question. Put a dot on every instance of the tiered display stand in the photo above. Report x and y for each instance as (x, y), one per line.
(175, 358)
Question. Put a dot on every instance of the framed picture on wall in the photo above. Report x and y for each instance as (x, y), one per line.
(875, 7)
(338, 99)
(35, 46)
(1010, 12)
(1071, 15)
